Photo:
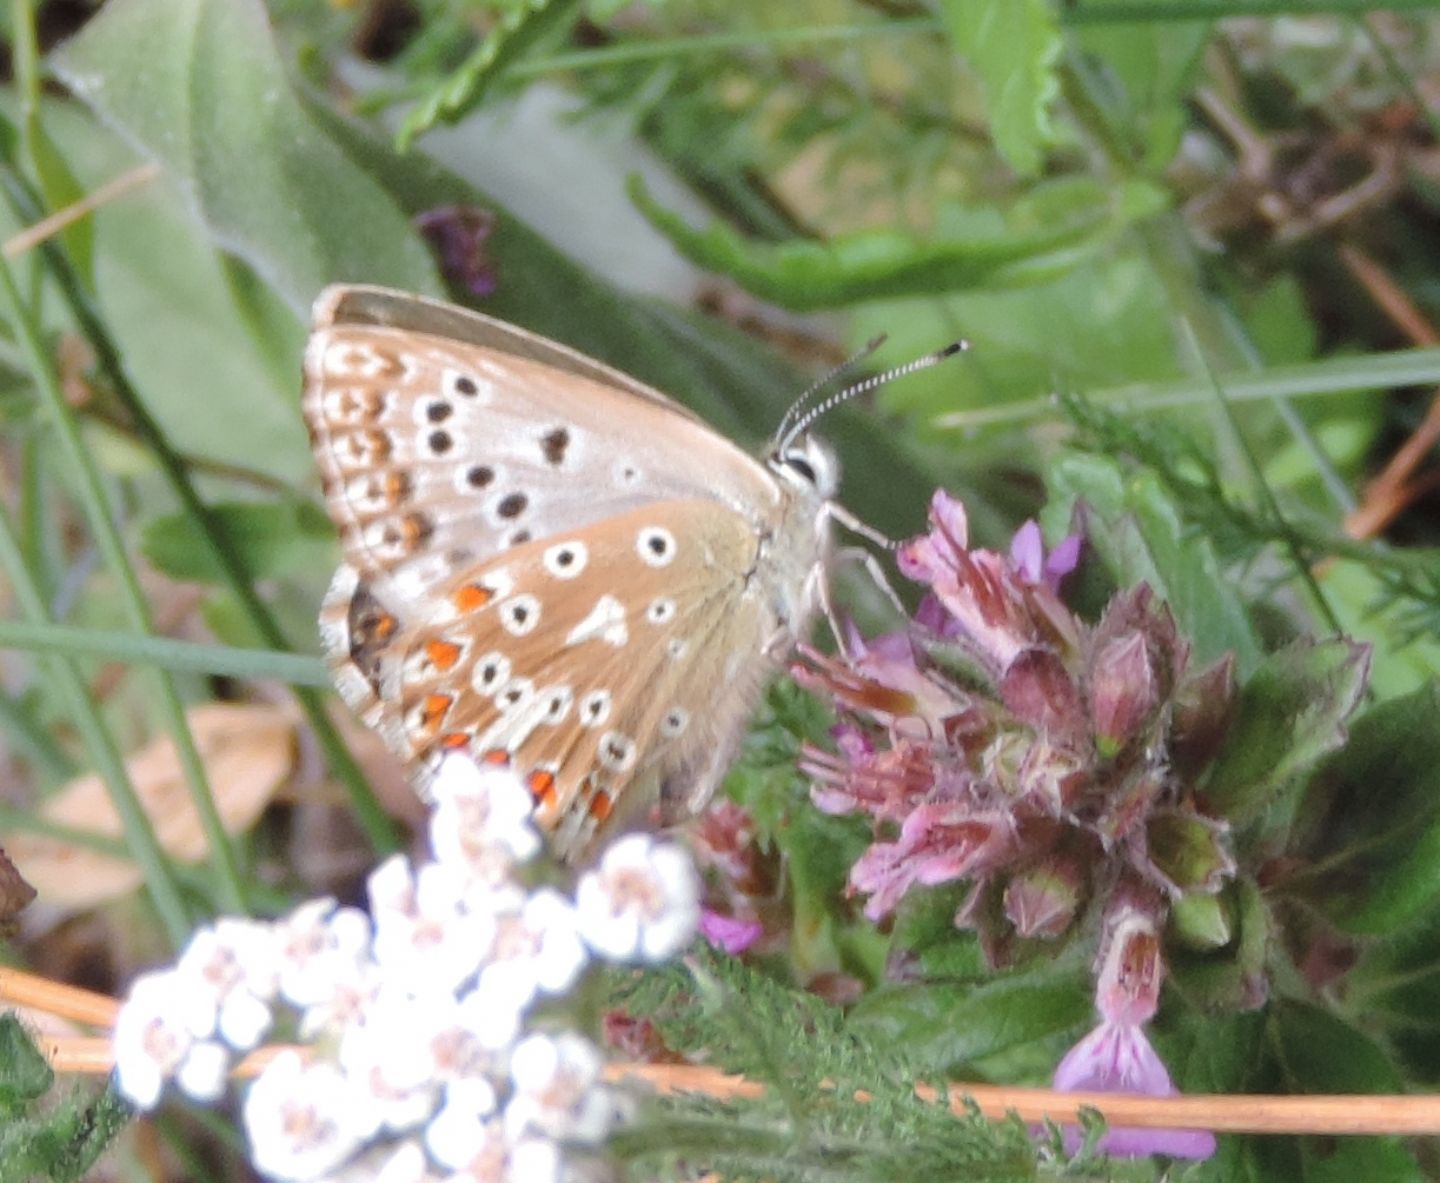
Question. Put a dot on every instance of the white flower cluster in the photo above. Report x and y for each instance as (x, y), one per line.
(420, 1066)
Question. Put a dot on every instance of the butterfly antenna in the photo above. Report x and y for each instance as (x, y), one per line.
(869, 384)
(825, 379)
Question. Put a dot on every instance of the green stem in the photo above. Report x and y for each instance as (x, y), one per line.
(221, 661)
(372, 818)
(32, 742)
(75, 699)
(1139, 12)
(14, 820)
(226, 867)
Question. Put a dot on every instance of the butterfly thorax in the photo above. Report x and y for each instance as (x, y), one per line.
(794, 552)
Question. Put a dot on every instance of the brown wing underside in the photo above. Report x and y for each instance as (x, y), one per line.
(604, 664)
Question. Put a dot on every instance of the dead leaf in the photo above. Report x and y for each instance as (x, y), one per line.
(247, 750)
(15, 894)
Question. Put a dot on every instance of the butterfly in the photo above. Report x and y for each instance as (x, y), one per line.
(547, 564)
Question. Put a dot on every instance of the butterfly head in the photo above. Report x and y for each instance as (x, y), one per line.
(806, 465)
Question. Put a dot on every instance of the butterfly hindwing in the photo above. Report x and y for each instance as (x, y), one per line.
(610, 655)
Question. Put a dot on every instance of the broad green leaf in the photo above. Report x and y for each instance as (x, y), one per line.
(1395, 991)
(283, 538)
(1042, 238)
(1291, 1048)
(1150, 66)
(1291, 712)
(1316, 1052)
(1013, 45)
(1372, 819)
(1130, 523)
(948, 1027)
(199, 85)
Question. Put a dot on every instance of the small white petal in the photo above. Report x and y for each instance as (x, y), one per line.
(461, 1131)
(557, 1090)
(202, 1074)
(243, 1020)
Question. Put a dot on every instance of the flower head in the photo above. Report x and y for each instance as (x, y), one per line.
(642, 903)
(303, 1120)
(1004, 742)
(155, 1041)
(232, 970)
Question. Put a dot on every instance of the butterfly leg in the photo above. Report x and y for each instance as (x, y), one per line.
(863, 558)
(838, 513)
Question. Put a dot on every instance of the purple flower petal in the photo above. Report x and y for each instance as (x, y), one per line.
(728, 933)
(1118, 1058)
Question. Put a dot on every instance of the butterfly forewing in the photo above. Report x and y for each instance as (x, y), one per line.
(547, 563)
(435, 451)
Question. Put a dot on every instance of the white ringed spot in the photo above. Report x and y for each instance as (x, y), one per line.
(661, 610)
(491, 672)
(674, 723)
(676, 648)
(459, 384)
(656, 546)
(616, 751)
(595, 708)
(518, 693)
(565, 560)
(557, 703)
(520, 614)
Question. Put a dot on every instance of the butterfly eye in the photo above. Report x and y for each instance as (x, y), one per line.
(798, 463)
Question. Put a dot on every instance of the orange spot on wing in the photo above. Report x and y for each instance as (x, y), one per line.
(497, 756)
(455, 741)
(435, 709)
(472, 597)
(442, 654)
(542, 786)
(600, 805)
(385, 626)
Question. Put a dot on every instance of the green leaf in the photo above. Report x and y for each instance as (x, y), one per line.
(517, 30)
(284, 538)
(1131, 524)
(1041, 238)
(199, 85)
(946, 1027)
(25, 1074)
(1013, 45)
(1316, 1052)
(1150, 68)
(1290, 712)
(1232, 977)
(1372, 819)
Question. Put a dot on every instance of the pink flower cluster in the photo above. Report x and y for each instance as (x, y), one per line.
(1051, 763)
